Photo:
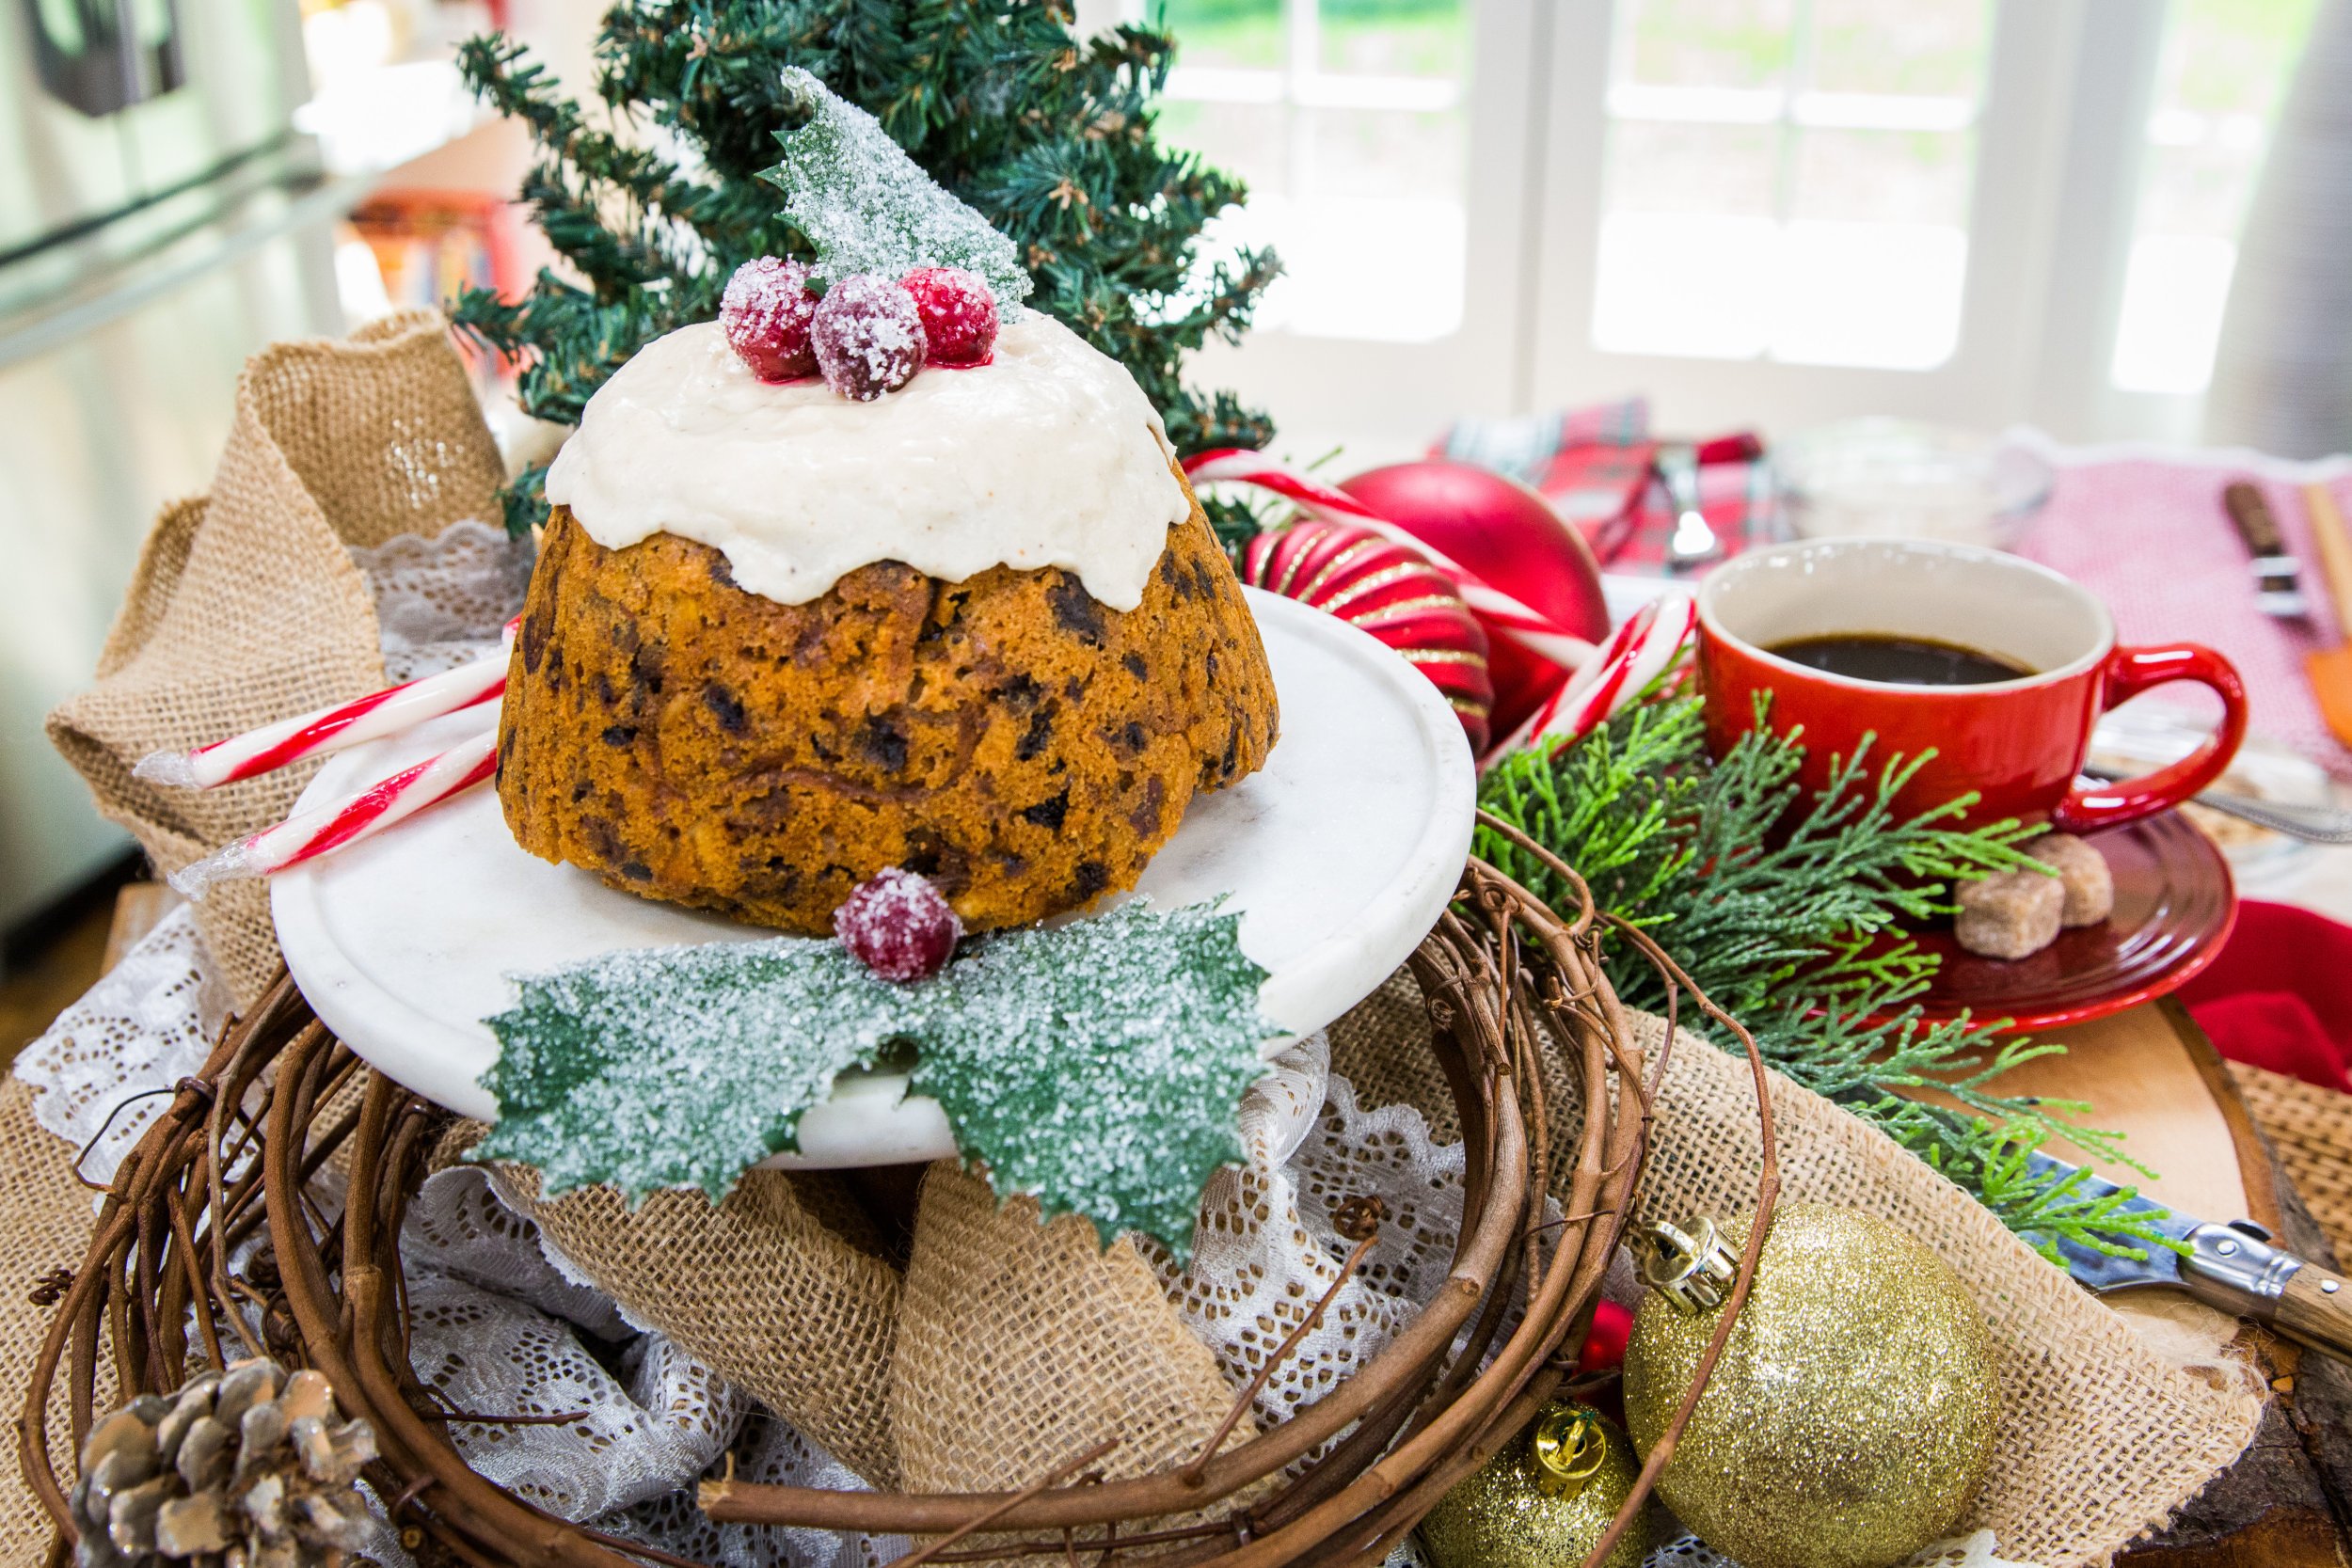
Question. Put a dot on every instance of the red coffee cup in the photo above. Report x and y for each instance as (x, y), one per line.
(2018, 744)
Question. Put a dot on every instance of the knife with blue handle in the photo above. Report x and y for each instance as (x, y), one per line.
(2234, 1267)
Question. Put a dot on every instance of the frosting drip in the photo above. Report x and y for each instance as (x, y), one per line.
(1049, 456)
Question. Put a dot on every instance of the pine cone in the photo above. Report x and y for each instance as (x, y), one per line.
(244, 1469)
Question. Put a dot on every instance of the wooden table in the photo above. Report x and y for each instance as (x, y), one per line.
(2152, 1073)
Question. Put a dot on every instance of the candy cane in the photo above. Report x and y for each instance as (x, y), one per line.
(331, 729)
(1635, 655)
(1501, 614)
(370, 811)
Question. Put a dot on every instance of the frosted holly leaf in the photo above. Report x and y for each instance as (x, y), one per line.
(868, 206)
(1099, 1066)
(679, 1067)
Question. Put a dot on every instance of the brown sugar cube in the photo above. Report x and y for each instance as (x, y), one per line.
(2008, 914)
(2082, 871)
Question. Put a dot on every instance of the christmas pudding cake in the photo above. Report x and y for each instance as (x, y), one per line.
(947, 605)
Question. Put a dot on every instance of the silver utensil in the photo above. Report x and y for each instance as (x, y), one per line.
(1693, 541)
(2312, 824)
(2234, 1267)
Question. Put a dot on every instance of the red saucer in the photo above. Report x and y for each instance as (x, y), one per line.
(2174, 905)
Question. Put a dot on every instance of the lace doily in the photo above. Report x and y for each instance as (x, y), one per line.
(1966, 1551)
(438, 601)
(146, 1024)
(1265, 1252)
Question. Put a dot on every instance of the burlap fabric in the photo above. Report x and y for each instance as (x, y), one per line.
(2309, 1129)
(45, 1221)
(1020, 1344)
(244, 606)
(780, 1288)
(2100, 1438)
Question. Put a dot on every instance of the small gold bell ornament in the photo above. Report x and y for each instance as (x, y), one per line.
(1853, 1413)
(1543, 1502)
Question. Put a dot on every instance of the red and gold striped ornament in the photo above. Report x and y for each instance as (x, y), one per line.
(1388, 591)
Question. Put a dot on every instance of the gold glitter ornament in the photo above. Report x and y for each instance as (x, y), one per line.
(1853, 1412)
(1543, 1502)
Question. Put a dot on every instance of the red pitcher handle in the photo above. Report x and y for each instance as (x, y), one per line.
(2089, 806)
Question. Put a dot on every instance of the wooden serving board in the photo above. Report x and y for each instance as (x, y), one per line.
(2152, 1074)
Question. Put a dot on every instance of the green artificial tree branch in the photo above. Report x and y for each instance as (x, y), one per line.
(1051, 140)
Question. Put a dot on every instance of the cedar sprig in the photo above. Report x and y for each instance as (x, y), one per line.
(654, 203)
(1787, 909)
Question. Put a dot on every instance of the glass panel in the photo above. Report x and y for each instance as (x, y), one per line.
(1660, 166)
(1225, 33)
(1684, 283)
(1790, 178)
(1880, 295)
(1246, 141)
(1355, 151)
(1396, 37)
(2222, 74)
(1883, 176)
(1704, 43)
(1899, 46)
(1365, 152)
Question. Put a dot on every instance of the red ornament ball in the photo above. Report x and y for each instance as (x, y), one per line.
(1509, 536)
(1604, 1342)
(1388, 591)
(765, 314)
(958, 314)
(899, 926)
(869, 336)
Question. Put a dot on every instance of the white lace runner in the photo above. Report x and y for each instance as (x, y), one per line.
(149, 1022)
(1265, 1252)
(439, 601)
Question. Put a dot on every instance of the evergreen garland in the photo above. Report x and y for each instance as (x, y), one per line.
(1049, 137)
(1788, 912)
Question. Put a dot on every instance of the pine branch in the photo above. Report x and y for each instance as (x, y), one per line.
(1786, 908)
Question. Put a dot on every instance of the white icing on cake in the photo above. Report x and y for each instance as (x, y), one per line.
(1049, 456)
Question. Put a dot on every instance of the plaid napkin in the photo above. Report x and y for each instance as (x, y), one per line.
(1595, 467)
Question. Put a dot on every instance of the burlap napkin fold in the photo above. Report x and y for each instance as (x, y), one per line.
(245, 605)
(780, 1289)
(1021, 1344)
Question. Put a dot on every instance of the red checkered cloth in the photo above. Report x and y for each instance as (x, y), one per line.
(1596, 466)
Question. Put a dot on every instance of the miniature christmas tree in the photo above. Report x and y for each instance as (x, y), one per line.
(1048, 138)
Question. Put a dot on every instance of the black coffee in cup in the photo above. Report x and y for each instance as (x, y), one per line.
(1898, 660)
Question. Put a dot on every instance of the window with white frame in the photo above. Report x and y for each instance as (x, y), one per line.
(1789, 178)
(1762, 209)
(1347, 118)
(2220, 79)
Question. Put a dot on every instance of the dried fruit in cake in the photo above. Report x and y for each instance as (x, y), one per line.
(1009, 737)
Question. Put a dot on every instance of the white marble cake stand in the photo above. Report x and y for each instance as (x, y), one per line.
(1340, 852)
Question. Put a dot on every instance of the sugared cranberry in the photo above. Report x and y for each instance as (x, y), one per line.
(897, 925)
(869, 336)
(765, 314)
(958, 314)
